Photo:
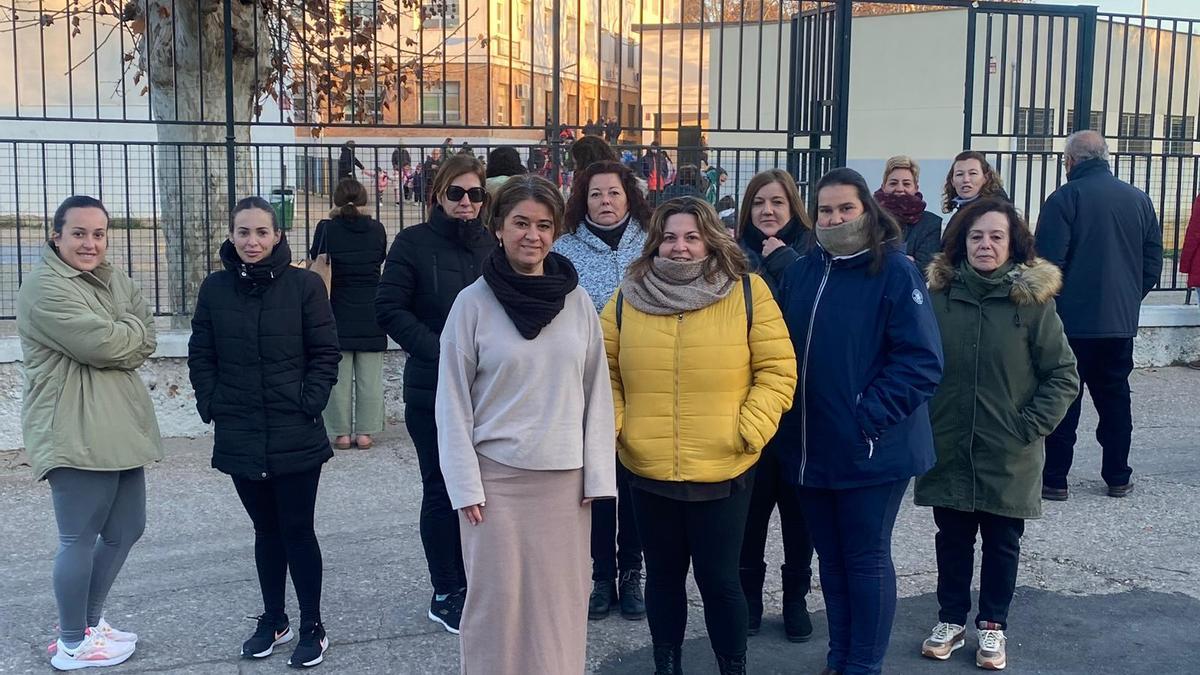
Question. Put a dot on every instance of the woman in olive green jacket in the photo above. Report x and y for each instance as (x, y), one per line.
(88, 422)
(1009, 379)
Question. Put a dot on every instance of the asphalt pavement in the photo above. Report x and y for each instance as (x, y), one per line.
(1105, 586)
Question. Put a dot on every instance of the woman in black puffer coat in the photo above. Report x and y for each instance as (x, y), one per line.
(427, 266)
(356, 244)
(263, 357)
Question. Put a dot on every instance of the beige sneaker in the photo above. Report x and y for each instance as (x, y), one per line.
(943, 641)
(990, 655)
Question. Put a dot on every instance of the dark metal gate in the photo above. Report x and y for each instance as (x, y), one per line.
(1037, 73)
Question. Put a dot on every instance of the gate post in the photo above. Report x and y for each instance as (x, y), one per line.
(969, 80)
(841, 104)
(1085, 60)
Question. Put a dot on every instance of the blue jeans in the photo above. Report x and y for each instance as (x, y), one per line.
(852, 532)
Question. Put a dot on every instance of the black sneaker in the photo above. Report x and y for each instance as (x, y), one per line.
(448, 612)
(310, 650)
(271, 632)
(633, 603)
(602, 600)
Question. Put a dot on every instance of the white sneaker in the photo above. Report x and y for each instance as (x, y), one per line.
(95, 651)
(943, 640)
(103, 628)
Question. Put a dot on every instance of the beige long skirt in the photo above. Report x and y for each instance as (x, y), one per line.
(528, 574)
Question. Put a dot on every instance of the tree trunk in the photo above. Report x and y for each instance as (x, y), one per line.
(183, 56)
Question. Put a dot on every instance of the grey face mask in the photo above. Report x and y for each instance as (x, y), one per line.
(846, 239)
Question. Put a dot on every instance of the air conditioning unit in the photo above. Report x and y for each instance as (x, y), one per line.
(522, 91)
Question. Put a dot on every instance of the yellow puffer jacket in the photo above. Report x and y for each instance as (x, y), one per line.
(696, 399)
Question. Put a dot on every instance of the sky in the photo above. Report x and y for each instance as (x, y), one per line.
(1172, 8)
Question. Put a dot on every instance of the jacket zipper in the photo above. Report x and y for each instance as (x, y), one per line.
(812, 319)
(435, 274)
(675, 416)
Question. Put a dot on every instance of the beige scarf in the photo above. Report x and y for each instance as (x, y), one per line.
(671, 287)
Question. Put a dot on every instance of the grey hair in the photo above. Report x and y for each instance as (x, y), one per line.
(1086, 144)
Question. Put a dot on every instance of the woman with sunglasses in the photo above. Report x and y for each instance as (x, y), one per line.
(426, 268)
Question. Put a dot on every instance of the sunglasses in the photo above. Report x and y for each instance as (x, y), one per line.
(455, 194)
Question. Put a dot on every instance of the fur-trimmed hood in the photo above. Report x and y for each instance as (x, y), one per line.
(1033, 283)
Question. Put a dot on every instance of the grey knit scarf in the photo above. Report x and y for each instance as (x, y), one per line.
(671, 287)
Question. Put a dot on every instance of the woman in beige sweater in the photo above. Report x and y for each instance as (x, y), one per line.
(525, 437)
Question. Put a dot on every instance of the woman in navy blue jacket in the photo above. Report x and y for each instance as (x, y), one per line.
(870, 358)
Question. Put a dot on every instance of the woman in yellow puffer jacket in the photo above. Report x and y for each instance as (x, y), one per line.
(702, 369)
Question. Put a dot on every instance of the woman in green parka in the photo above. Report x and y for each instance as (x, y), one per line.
(1009, 378)
(87, 421)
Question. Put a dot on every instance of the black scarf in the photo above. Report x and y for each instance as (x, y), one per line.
(255, 277)
(531, 302)
(788, 234)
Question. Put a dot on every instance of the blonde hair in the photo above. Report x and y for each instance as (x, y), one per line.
(724, 254)
(902, 162)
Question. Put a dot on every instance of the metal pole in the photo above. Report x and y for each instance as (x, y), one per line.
(556, 86)
(230, 133)
(969, 83)
(841, 110)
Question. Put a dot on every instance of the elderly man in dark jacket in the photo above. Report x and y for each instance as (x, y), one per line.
(1104, 235)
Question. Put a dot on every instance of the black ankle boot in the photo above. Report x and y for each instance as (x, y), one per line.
(796, 622)
(668, 660)
(602, 600)
(633, 602)
(732, 664)
(752, 587)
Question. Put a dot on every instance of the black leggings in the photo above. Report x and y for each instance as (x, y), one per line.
(439, 520)
(708, 535)
(615, 544)
(770, 490)
(282, 511)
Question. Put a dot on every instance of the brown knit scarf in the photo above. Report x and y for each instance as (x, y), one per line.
(671, 287)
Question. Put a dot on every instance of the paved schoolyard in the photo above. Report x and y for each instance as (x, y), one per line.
(1106, 585)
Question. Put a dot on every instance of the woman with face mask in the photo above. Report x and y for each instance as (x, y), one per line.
(525, 439)
(263, 358)
(87, 421)
(970, 178)
(870, 358)
(701, 371)
(774, 232)
(605, 226)
(901, 196)
(1010, 378)
(427, 267)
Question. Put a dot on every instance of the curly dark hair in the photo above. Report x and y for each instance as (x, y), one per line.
(991, 180)
(1020, 239)
(881, 226)
(577, 206)
(504, 161)
(591, 149)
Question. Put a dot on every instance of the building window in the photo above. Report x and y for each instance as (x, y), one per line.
(439, 13)
(631, 55)
(1095, 121)
(369, 110)
(1182, 127)
(502, 99)
(361, 9)
(440, 103)
(1134, 132)
(1033, 129)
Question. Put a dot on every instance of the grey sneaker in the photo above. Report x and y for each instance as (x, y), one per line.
(990, 655)
(944, 640)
